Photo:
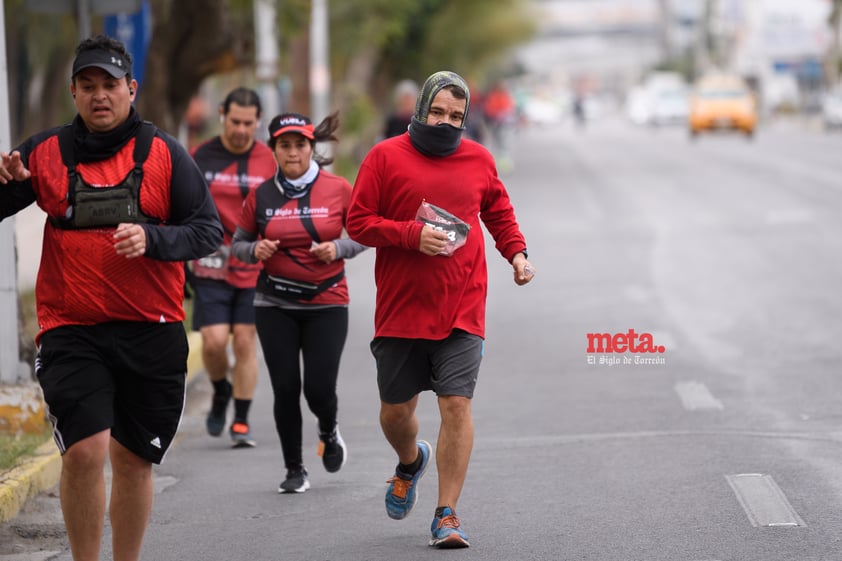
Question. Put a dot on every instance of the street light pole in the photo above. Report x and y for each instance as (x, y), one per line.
(665, 29)
(319, 68)
(319, 65)
(266, 56)
(10, 370)
(83, 19)
(702, 51)
(832, 59)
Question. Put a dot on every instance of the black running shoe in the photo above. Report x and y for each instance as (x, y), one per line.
(296, 481)
(332, 450)
(219, 404)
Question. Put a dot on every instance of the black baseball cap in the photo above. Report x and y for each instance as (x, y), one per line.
(112, 62)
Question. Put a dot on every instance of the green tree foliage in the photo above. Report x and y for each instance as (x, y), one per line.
(376, 43)
(191, 40)
(472, 37)
(373, 45)
(38, 63)
(414, 38)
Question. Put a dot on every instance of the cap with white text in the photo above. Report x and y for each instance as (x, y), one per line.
(291, 122)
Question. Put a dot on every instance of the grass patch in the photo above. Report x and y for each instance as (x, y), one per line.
(27, 309)
(15, 447)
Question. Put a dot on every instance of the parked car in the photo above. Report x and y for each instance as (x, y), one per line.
(722, 102)
(832, 109)
(662, 99)
(669, 106)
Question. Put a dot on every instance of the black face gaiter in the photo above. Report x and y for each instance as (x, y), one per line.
(438, 140)
(93, 147)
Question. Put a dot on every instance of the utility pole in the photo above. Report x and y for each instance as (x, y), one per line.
(832, 58)
(665, 28)
(704, 38)
(319, 66)
(10, 366)
(266, 56)
(83, 19)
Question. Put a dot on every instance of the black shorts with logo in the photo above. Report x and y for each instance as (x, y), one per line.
(124, 376)
(406, 367)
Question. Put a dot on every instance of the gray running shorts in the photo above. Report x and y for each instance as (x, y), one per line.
(406, 367)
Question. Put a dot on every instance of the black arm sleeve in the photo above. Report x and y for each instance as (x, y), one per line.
(17, 195)
(194, 229)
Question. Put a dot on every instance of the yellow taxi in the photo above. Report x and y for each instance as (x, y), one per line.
(722, 102)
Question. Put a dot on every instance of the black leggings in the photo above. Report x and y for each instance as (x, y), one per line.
(286, 337)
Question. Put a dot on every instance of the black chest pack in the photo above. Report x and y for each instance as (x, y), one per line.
(99, 207)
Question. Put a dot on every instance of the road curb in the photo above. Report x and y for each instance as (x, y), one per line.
(40, 471)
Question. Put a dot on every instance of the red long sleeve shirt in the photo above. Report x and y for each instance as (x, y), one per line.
(420, 296)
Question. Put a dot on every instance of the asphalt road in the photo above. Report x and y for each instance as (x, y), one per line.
(725, 446)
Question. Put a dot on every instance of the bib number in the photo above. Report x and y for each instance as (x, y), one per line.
(213, 266)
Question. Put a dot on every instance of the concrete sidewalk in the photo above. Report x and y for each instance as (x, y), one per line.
(41, 470)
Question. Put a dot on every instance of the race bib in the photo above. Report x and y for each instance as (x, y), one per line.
(213, 266)
(438, 218)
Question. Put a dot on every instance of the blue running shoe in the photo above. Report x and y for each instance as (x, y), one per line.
(402, 493)
(447, 533)
(241, 435)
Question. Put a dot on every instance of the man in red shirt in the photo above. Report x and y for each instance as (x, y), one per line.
(418, 199)
(125, 206)
(234, 164)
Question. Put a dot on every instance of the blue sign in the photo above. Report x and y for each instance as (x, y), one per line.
(134, 31)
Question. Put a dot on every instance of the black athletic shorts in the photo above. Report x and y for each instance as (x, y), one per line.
(124, 376)
(217, 302)
(406, 367)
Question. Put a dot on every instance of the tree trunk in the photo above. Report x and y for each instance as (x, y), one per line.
(192, 40)
(299, 74)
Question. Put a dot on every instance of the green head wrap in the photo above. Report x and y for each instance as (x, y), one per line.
(434, 85)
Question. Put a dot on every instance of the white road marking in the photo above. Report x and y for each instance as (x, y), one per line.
(763, 501)
(695, 396)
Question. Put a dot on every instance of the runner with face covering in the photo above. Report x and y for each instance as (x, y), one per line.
(430, 308)
(439, 138)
